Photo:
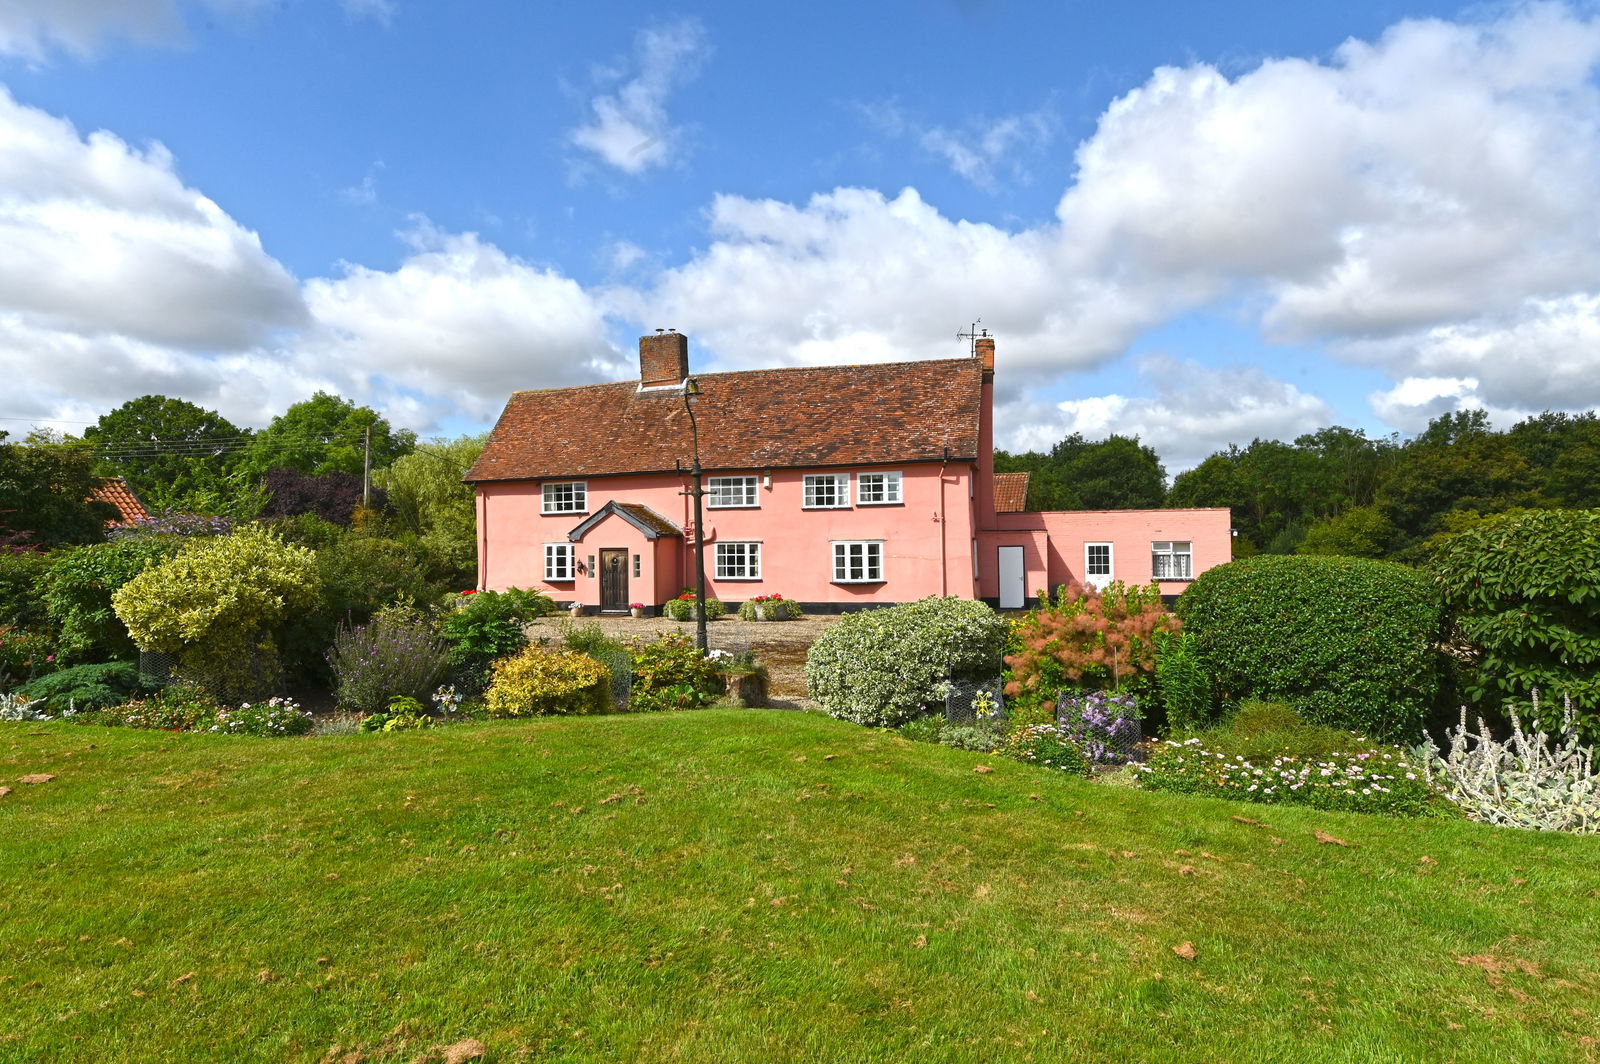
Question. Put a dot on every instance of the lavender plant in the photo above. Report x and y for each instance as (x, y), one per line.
(398, 653)
(1104, 726)
(1533, 780)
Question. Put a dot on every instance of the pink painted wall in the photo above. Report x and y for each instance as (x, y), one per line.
(927, 538)
(1056, 541)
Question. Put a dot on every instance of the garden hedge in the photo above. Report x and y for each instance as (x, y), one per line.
(1351, 642)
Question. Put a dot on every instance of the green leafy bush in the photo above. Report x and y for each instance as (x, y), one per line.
(543, 682)
(77, 587)
(1349, 641)
(402, 714)
(1524, 592)
(883, 667)
(217, 606)
(84, 688)
(21, 597)
(486, 625)
(1182, 684)
(981, 737)
(398, 652)
(1047, 746)
(671, 673)
(24, 655)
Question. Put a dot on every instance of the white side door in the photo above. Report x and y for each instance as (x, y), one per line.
(1013, 579)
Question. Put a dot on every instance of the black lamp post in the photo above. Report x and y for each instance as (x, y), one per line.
(691, 393)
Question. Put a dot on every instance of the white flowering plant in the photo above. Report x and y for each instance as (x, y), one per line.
(1366, 779)
(274, 717)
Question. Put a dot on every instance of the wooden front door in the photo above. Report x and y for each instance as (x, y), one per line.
(613, 581)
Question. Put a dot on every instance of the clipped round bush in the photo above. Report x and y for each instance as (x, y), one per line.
(884, 667)
(540, 681)
(1350, 642)
(1524, 592)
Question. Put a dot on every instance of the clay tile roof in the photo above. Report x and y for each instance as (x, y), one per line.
(1010, 493)
(637, 514)
(115, 490)
(754, 419)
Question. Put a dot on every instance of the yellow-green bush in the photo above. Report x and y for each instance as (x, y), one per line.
(541, 681)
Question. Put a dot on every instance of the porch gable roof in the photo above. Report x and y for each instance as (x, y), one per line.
(646, 520)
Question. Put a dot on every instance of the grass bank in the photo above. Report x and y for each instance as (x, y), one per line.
(747, 886)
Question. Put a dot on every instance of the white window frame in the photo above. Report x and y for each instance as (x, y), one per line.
(732, 493)
(554, 554)
(889, 487)
(1168, 549)
(574, 500)
(748, 563)
(840, 483)
(1099, 579)
(872, 561)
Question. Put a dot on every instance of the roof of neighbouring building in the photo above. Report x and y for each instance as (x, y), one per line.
(1010, 493)
(753, 419)
(115, 490)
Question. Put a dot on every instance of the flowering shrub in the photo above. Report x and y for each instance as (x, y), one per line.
(1104, 726)
(880, 667)
(171, 523)
(671, 673)
(682, 607)
(274, 717)
(1047, 746)
(771, 607)
(539, 682)
(1372, 780)
(398, 653)
(1532, 780)
(180, 707)
(1086, 638)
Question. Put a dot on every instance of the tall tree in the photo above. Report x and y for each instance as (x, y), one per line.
(177, 456)
(428, 500)
(1116, 473)
(1457, 463)
(325, 434)
(45, 488)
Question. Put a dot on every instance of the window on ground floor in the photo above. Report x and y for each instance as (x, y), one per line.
(1097, 563)
(738, 561)
(559, 559)
(858, 561)
(1172, 560)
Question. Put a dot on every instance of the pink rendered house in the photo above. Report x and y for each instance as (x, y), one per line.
(838, 486)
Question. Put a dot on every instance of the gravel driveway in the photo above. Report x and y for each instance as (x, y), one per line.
(780, 645)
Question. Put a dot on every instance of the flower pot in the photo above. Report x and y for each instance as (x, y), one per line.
(637, 611)
(750, 689)
(577, 611)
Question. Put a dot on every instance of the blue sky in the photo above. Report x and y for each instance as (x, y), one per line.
(1198, 224)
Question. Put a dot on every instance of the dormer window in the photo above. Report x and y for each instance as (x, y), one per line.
(566, 497)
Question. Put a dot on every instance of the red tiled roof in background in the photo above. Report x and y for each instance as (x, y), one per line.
(1010, 493)
(115, 490)
(754, 419)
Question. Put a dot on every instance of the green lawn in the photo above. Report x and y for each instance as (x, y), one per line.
(737, 885)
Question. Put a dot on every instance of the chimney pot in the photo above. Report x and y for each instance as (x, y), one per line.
(663, 359)
(985, 353)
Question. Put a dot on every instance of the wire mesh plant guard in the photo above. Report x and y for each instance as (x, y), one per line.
(974, 702)
(1107, 727)
(157, 666)
(620, 662)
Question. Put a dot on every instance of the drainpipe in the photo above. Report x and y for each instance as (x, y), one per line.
(944, 566)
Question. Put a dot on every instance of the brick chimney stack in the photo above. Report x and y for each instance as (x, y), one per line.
(984, 348)
(663, 359)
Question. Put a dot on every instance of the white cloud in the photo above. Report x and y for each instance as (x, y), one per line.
(628, 127)
(100, 238)
(461, 323)
(32, 29)
(979, 151)
(1415, 401)
(1193, 411)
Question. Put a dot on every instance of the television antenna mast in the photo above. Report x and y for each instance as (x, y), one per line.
(973, 334)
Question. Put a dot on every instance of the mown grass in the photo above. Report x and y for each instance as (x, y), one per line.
(747, 886)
